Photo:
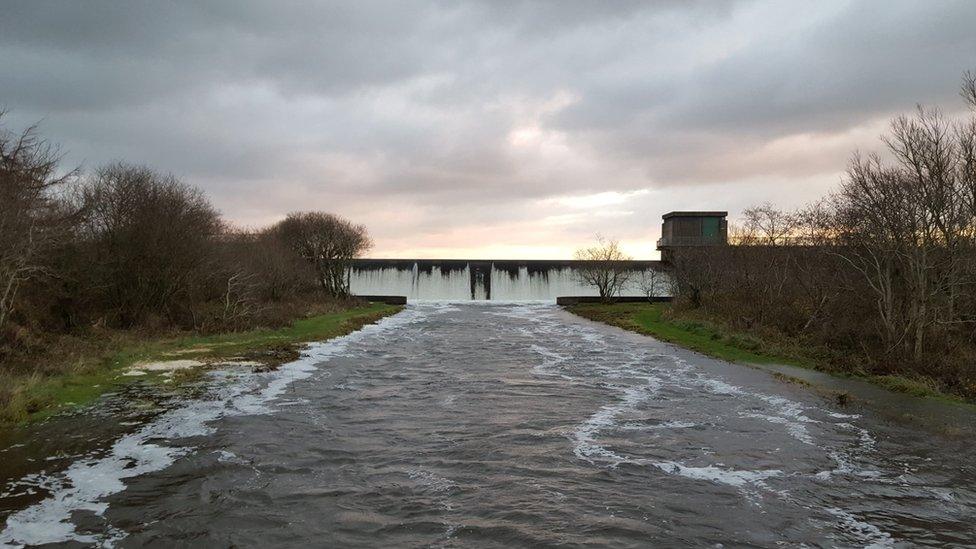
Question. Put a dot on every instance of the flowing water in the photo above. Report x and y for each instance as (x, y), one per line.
(494, 280)
(497, 425)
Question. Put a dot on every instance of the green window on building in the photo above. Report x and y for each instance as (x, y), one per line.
(709, 227)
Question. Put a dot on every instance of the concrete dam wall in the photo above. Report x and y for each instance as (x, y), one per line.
(444, 279)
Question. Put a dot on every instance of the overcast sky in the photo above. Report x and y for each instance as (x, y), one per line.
(482, 129)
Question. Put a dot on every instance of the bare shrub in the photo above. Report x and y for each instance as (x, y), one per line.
(652, 283)
(277, 272)
(148, 239)
(694, 274)
(252, 273)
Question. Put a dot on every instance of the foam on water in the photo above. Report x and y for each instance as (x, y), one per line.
(662, 426)
(439, 488)
(634, 410)
(788, 413)
(870, 535)
(85, 484)
(430, 481)
(710, 473)
(586, 446)
(796, 430)
(550, 360)
(637, 368)
(792, 416)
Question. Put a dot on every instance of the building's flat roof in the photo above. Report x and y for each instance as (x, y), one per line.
(695, 214)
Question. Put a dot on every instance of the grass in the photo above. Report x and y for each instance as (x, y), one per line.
(315, 328)
(653, 319)
(98, 368)
(914, 387)
(713, 339)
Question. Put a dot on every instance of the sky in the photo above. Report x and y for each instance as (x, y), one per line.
(482, 129)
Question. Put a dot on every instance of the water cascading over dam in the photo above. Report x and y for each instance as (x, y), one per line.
(498, 280)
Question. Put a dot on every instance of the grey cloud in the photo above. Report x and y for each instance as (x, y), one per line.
(869, 59)
(361, 106)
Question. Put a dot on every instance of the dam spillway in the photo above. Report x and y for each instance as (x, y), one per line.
(497, 280)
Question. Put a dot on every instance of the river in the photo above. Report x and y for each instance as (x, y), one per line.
(490, 425)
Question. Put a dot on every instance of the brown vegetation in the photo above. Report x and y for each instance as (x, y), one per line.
(883, 272)
(128, 248)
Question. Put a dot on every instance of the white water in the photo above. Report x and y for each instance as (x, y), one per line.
(87, 482)
(456, 284)
(414, 284)
(607, 406)
(640, 377)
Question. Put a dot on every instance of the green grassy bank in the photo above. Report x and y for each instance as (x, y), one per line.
(97, 364)
(659, 320)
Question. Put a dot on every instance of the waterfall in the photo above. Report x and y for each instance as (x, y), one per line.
(458, 280)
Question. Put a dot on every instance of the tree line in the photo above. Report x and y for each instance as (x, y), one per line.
(881, 273)
(126, 246)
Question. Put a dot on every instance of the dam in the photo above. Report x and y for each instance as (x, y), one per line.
(533, 280)
(496, 280)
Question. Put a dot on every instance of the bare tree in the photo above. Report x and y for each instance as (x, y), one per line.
(604, 267)
(767, 225)
(31, 216)
(908, 228)
(328, 242)
(969, 88)
(966, 137)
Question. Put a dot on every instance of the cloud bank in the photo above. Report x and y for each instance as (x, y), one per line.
(488, 129)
